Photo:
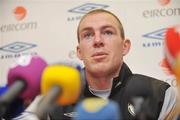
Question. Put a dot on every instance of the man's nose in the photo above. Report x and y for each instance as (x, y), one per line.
(98, 40)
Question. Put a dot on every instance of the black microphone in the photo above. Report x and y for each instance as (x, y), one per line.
(15, 108)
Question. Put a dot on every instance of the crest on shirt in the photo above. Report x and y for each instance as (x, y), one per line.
(131, 109)
(71, 114)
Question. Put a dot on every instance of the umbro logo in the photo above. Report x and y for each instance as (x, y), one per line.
(17, 47)
(87, 7)
(157, 34)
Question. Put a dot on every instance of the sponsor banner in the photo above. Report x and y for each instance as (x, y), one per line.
(48, 28)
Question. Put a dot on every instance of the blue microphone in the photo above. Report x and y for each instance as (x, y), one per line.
(97, 109)
(3, 89)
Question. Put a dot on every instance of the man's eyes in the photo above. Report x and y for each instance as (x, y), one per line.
(107, 32)
(87, 35)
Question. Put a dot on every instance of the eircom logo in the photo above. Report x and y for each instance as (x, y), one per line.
(87, 7)
(19, 13)
(164, 2)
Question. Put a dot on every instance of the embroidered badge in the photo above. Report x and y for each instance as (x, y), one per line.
(131, 109)
(71, 114)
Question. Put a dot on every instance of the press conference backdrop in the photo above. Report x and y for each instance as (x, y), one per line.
(48, 28)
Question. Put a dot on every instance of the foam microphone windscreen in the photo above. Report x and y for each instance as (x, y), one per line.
(97, 109)
(60, 84)
(172, 49)
(23, 81)
(27, 69)
(67, 78)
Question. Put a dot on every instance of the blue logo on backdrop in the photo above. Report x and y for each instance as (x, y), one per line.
(17, 47)
(87, 7)
(84, 9)
(158, 34)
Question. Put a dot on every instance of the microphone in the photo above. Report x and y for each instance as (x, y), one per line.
(97, 109)
(3, 89)
(23, 80)
(60, 84)
(172, 57)
(172, 49)
(15, 108)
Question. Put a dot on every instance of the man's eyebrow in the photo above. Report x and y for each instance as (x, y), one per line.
(107, 26)
(103, 27)
(85, 29)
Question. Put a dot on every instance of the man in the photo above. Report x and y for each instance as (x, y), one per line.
(101, 47)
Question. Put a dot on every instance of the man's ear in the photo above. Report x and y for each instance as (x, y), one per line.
(78, 52)
(126, 46)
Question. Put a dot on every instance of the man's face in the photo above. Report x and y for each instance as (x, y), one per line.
(101, 46)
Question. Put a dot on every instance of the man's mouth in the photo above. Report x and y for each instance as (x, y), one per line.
(99, 55)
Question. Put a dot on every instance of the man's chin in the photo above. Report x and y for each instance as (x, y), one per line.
(101, 69)
(101, 66)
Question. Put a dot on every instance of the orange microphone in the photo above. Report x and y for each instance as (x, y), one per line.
(172, 56)
(172, 50)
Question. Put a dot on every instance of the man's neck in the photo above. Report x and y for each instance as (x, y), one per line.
(102, 82)
(99, 83)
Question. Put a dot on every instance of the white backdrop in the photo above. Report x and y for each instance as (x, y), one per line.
(48, 28)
